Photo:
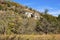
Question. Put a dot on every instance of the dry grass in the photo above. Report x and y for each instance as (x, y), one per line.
(30, 37)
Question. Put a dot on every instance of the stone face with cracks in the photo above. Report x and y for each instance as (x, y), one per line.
(35, 15)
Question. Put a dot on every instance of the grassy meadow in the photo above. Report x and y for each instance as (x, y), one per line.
(30, 37)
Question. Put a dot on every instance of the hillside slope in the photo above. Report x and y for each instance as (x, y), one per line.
(18, 19)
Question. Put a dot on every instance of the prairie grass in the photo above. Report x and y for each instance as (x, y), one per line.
(30, 37)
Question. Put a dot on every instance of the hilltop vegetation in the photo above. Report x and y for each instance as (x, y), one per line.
(14, 21)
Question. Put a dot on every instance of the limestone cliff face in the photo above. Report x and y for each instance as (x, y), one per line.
(36, 16)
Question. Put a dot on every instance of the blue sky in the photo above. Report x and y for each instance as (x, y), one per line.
(52, 5)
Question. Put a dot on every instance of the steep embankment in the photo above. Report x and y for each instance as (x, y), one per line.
(15, 20)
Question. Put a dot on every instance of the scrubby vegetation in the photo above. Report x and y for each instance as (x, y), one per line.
(15, 25)
(14, 21)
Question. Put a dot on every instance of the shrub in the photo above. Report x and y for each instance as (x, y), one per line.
(58, 17)
(1, 7)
